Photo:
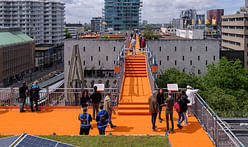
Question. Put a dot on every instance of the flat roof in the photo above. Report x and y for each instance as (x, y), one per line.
(43, 48)
(11, 38)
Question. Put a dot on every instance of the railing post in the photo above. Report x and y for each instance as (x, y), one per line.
(12, 99)
(48, 97)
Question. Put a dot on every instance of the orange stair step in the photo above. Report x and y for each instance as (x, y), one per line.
(134, 112)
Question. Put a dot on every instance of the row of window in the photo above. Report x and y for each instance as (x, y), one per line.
(235, 27)
(235, 19)
(99, 49)
(235, 35)
(232, 42)
(183, 58)
(190, 48)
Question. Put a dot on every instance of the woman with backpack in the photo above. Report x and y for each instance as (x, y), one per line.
(84, 99)
(182, 101)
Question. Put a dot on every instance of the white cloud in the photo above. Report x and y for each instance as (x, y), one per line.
(155, 11)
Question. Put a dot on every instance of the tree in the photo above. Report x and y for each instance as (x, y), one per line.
(67, 34)
(148, 33)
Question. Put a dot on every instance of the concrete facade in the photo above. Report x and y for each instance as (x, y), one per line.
(95, 56)
(235, 34)
(190, 56)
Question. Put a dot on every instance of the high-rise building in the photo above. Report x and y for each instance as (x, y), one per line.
(43, 20)
(235, 34)
(191, 19)
(215, 15)
(122, 15)
(74, 29)
(97, 24)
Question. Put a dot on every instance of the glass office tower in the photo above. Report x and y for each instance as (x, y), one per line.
(122, 15)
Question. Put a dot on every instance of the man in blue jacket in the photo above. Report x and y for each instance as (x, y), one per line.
(102, 120)
(34, 96)
(85, 119)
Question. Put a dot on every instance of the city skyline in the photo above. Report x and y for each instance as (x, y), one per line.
(155, 11)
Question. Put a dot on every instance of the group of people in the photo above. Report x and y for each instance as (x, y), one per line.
(142, 42)
(181, 102)
(102, 117)
(32, 93)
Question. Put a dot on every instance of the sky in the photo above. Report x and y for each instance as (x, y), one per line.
(155, 11)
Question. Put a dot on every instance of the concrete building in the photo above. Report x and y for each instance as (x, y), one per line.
(190, 34)
(177, 23)
(192, 20)
(188, 55)
(16, 55)
(122, 15)
(97, 57)
(42, 20)
(74, 29)
(235, 34)
(97, 24)
(215, 14)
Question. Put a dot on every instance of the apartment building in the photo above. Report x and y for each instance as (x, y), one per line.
(42, 20)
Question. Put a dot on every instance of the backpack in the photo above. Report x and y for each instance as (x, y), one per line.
(85, 120)
(177, 107)
(102, 118)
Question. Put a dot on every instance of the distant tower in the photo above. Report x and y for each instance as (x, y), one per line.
(246, 3)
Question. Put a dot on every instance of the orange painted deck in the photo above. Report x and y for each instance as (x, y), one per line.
(132, 115)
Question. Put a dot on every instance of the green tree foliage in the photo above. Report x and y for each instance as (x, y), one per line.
(224, 87)
(67, 34)
(148, 33)
(87, 28)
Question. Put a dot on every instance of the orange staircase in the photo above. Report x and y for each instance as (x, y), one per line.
(136, 87)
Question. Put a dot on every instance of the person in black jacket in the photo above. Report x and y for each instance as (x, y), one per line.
(35, 96)
(160, 101)
(185, 102)
(182, 101)
(23, 92)
(95, 99)
(84, 99)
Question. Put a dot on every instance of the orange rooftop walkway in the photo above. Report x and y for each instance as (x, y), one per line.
(132, 114)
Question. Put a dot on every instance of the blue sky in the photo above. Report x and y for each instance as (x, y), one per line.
(155, 11)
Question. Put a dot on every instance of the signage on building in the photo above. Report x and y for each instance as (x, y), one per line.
(100, 87)
(172, 87)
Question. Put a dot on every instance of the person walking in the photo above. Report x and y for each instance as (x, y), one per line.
(191, 96)
(182, 102)
(34, 96)
(184, 106)
(102, 120)
(85, 119)
(84, 99)
(109, 108)
(160, 101)
(153, 109)
(133, 44)
(23, 93)
(95, 99)
(143, 43)
(169, 112)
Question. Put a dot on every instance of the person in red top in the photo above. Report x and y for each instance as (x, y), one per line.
(143, 43)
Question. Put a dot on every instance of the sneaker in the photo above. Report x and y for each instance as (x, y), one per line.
(37, 110)
(180, 127)
(172, 131)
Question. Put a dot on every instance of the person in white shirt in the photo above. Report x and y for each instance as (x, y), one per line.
(133, 44)
(191, 97)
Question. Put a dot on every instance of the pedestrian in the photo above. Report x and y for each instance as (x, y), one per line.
(23, 93)
(153, 108)
(169, 112)
(34, 96)
(191, 96)
(95, 99)
(160, 101)
(84, 99)
(108, 106)
(143, 43)
(182, 105)
(102, 120)
(133, 44)
(85, 119)
(184, 108)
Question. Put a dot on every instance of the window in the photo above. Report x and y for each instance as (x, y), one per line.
(69, 62)
(84, 63)
(160, 62)
(99, 62)
(175, 49)
(191, 49)
(214, 58)
(183, 58)
(198, 58)
(91, 58)
(191, 62)
(114, 49)
(168, 58)
(160, 48)
(206, 62)
(99, 49)
(183, 69)
(175, 62)
(114, 61)
(106, 58)
(206, 48)
(84, 48)
(199, 71)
